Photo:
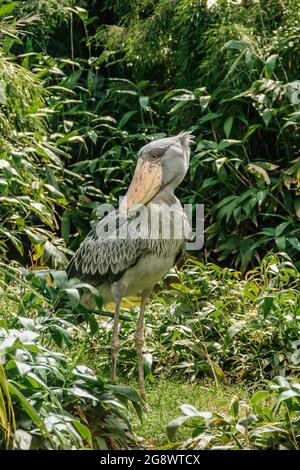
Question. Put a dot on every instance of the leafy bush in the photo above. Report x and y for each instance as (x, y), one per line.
(73, 114)
(48, 398)
(229, 73)
(231, 77)
(269, 420)
(245, 114)
(212, 321)
(30, 166)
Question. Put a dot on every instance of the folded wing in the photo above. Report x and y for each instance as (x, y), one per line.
(105, 255)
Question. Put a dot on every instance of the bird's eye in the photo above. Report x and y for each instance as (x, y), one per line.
(154, 157)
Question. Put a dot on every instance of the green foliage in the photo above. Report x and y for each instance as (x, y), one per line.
(211, 321)
(164, 397)
(245, 110)
(48, 398)
(82, 87)
(158, 41)
(229, 73)
(269, 420)
(213, 71)
(30, 169)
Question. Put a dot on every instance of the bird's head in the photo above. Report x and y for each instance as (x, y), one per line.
(161, 163)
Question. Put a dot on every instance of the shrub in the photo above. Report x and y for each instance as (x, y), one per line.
(268, 420)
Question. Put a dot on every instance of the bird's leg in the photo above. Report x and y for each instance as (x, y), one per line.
(139, 342)
(115, 342)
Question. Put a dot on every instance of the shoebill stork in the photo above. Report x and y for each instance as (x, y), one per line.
(123, 256)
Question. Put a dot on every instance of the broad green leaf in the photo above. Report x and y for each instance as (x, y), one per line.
(204, 101)
(259, 396)
(65, 226)
(144, 101)
(281, 243)
(190, 410)
(268, 428)
(234, 407)
(267, 116)
(228, 126)
(23, 367)
(267, 305)
(234, 44)
(125, 118)
(234, 330)
(98, 299)
(249, 58)
(210, 117)
(60, 278)
(101, 443)
(261, 171)
(27, 407)
(6, 9)
(73, 295)
(147, 361)
(84, 432)
(270, 65)
(281, 228)
(127, 392)
(294, 242)
(93, 324)
(227, 143)
(80, 392)
(60, 334)
(287, 395)
(173, 426)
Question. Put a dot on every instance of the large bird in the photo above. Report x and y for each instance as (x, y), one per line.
(134, 247)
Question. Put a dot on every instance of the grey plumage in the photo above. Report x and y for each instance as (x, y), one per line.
(103, 256)
(160, 146)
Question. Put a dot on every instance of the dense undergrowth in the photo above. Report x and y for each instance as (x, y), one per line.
(82, 86)
(210, 322)
(268, 420)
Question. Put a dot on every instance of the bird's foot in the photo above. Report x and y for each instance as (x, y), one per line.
(146, 407)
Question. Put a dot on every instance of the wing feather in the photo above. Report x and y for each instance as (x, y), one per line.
(103, 256)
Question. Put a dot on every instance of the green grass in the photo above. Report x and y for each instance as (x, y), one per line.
(165, 397)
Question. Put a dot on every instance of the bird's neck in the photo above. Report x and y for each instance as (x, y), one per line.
(166, 195)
